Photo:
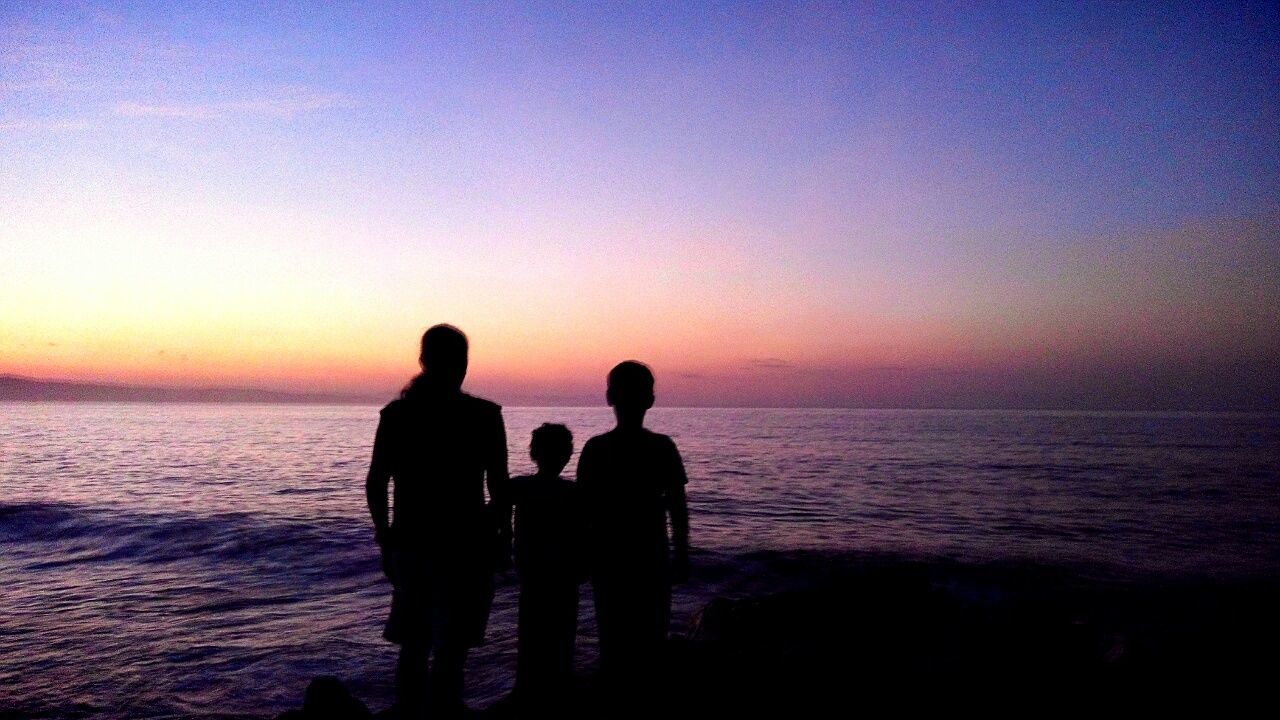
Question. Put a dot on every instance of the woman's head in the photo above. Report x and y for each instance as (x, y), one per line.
(444, 356)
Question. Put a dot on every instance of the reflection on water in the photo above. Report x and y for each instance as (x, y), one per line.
(203, 559)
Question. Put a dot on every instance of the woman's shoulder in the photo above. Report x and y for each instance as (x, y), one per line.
(393, 409)
(480, 405)
(468, 403)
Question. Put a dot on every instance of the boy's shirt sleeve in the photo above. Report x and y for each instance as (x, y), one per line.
(586, 471)
(676, 475)
(496, 467)
(580, 556)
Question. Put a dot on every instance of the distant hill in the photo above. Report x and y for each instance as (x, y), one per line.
(13, 387)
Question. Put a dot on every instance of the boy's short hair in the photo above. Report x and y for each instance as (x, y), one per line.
(551, 444)
(630, 382)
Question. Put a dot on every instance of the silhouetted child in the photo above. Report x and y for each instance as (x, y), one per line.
(631, 481)
(548, 541)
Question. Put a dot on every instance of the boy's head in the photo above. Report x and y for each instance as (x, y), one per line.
(630, 390)
(551, 447)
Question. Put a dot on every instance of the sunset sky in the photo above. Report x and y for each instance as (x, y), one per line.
(897, 205)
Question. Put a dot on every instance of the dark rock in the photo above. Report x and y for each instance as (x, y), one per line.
(941, 635)
(327, 698)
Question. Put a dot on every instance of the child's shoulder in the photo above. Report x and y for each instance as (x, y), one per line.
(520, 484)
(539, 483)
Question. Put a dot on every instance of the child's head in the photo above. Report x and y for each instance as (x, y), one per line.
(630, 390)
(551, 447)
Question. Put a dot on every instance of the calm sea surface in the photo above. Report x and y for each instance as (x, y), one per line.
(208, 560)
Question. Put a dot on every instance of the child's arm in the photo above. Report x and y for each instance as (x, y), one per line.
(678, 506)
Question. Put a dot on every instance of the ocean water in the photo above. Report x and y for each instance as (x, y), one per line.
(208, 560)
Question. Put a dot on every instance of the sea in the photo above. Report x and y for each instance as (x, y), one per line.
(207, 561)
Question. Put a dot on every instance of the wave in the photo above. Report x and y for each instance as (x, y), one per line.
(52, 535)
(236, 611)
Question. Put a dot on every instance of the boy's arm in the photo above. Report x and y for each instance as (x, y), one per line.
(678, 508)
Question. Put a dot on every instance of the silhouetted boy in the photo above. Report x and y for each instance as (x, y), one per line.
(631, 481)
(548, 541)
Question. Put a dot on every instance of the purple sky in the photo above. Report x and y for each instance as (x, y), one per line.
(1067, 205)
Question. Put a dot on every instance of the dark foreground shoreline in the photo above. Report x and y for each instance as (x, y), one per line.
(847, 632)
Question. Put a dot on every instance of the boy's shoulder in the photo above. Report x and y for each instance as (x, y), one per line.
(595, 444)
(615, 443)
(645, 434)
(658, 440)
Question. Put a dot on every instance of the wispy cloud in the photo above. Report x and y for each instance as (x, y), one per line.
(25, 53)
(284, 104)
(103, 17)
(913, 369)
(34, 67)
(139, 109)
(41, 124)
(771, 364)
(49, 82)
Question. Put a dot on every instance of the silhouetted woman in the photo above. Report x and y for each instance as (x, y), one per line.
(438, 446)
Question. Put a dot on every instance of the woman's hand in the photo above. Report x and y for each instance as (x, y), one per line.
(680, 567)
(386, 549)
(502, 551)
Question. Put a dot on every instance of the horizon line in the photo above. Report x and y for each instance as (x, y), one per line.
(348, 399)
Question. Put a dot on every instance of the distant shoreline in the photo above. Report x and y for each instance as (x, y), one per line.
(22, 389)
(16, 388)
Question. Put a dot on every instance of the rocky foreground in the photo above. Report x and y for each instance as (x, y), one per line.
(857, 635)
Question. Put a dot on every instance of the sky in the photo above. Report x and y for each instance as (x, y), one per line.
(1065, 205)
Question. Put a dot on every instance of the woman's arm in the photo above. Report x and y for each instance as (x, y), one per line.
(376, 484)
(499, 484)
